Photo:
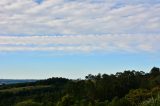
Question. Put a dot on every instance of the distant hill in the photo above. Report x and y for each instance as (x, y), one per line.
(14, 81)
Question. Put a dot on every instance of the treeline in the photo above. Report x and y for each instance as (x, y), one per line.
(128, 88)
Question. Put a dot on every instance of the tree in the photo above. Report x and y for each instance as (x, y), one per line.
(155, 71)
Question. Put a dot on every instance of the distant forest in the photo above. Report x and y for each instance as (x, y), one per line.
(128, 88)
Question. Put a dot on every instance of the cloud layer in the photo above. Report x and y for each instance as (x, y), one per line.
(81, 25)
(81, 43)
(79, 17)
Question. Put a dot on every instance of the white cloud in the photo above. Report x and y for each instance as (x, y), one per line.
(79, 17)
(81, 43)
(84, 25)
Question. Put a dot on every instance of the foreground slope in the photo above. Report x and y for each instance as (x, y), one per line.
(128, 88)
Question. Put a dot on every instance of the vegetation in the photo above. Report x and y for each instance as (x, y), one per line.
(128, 88)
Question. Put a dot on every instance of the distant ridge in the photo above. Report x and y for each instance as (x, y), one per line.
(14, 81)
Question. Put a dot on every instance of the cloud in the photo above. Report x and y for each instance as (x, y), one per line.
(81, 43)
(81, 25)
(79, 17)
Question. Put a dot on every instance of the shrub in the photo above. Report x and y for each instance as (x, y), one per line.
(152, 102)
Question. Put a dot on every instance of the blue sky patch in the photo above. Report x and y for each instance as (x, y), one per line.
(39, 1)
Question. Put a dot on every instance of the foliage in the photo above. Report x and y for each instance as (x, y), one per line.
(152, 102)
(66, 101)
(136, 96)
(128, 88)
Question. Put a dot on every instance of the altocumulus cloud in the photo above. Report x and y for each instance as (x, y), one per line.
(81, 43)
(79, 16)
(84, 25)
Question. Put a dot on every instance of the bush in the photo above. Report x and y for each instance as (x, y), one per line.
(66, 100)
(119, 102)
(135, 97)
(152, 102)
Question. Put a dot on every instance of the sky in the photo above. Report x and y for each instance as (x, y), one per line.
(73, 38)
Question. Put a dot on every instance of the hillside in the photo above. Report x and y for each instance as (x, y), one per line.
(128, 88)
